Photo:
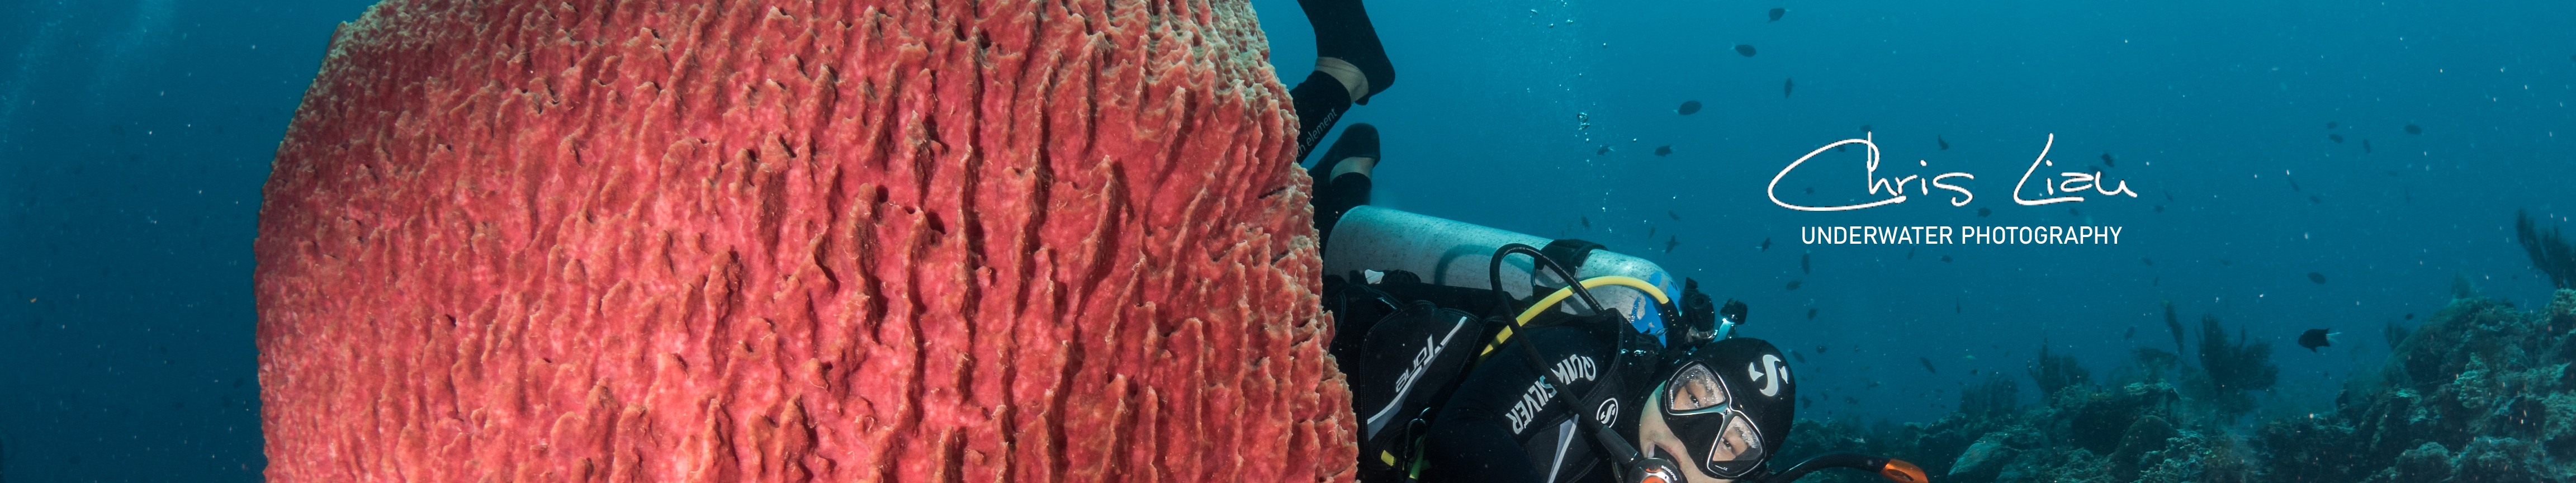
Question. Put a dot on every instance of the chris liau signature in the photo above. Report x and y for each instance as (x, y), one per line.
(2061, 189)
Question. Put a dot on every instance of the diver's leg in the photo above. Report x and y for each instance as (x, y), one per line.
(1343, 177)
(1350, 66)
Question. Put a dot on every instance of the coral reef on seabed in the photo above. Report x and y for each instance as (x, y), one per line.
(2482, 392)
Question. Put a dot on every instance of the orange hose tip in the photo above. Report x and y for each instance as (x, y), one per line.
(1902, 472)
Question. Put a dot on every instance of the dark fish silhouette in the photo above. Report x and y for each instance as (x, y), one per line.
(1603, 150)
(1820, 349)
(1776, 12)
(1945, 259)
(1806, 263)
(1864, 128)
(2149, 261)
(1945, 142)
(1982, 212)
(2106, 160)
(2410, 316)
(2072, 212)
(1669, 243)
(2314, 338)
(1803, 401)
(1664, 150)
(1688, 108)
(1811, 190)
(2159, 280)
(1788, 85)
(2316, 277)
(1927, 364)
(1972, 372)
(1676, 216)
(1909, 254)
(2414, 129)
(1745, 50)
(1766, 244)
(2169, 196)
(2317, 199)
(1650, 233)
(2294, 183)
(2160, 208)
(2132, 334)
(1955, 306)
(1811, 314)
(2338, 138)
(1587, 221)
(2332, 125)
(2365, 146)
(1793, 284)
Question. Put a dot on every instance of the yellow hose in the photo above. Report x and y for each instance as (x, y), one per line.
(1595, 282)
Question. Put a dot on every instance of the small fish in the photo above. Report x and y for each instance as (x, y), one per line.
(2410, 316)
(1688, 108)
(1820, 349)
(2160, 208)
(2338, 138)
(2414, 129)
(1587, 221)
(2314, 338)
(2169, 196)
(2132, 334)
(1982, 212)
(1650, 232)
(1972, 372)
(1927, 364)
(1669, 243)
(1945, 259)
(2317, 199)
(1955, 306)
(2072, 212)
(1766, 244)
(1811, 314)
(2149, 261)
(1909, 254)
(2317, 277)
(1945, 142)
(2226, 262)
(1676, 216)
(2332, 125)
(1603, 150)
(1803, 401)
(1806, 263)
(1786, 86)
(2106, 160)
(2365, 146)
(1664, 150)
(1776, 12)
(1744, 50)
(1793, 284)
(2294, 183)
(1811, 190)
(2159, 280)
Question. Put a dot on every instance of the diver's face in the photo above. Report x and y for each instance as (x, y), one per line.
(1657, 440)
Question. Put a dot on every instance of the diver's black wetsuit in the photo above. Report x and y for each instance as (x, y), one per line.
(1505, 425)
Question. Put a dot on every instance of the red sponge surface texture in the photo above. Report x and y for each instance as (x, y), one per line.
(1025, 241)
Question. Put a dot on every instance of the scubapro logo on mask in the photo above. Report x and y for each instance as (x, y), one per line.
(1573, 368)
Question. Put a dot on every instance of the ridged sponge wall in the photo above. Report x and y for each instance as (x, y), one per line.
(575, 240)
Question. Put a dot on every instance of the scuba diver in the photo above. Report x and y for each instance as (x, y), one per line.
(1576, 364)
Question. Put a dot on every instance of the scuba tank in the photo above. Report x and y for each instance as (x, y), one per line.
(1457, 254)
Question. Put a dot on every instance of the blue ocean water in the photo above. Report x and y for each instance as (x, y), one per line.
(135, 135)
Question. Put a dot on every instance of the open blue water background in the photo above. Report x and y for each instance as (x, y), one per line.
(135, 134)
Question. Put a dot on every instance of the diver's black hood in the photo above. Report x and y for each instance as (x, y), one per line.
(1758, 380)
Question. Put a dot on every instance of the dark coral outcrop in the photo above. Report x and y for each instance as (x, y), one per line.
(928, 240)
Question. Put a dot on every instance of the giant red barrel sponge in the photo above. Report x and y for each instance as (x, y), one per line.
(930, 240)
